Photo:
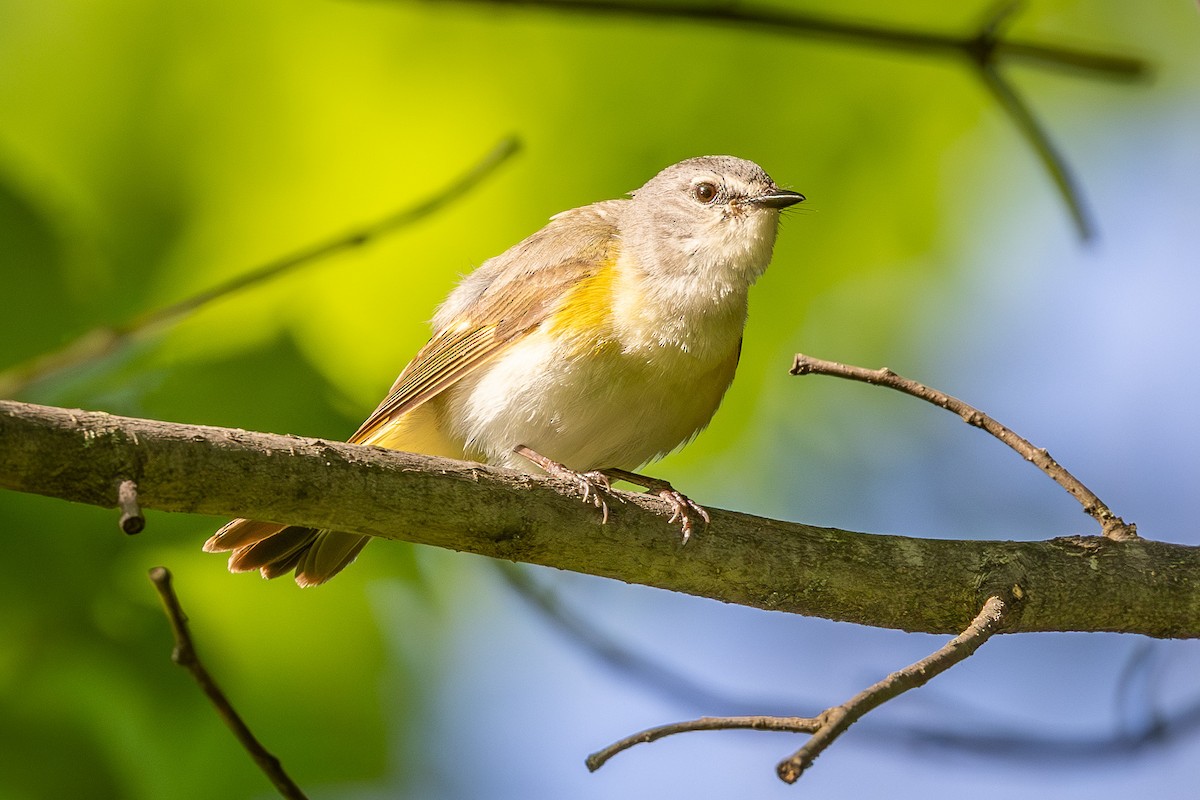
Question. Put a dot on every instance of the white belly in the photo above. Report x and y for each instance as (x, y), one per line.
(591, 410)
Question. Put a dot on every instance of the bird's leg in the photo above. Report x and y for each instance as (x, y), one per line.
(682, 506)
(592, 485)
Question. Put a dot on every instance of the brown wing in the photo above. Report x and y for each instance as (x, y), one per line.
(507, 296)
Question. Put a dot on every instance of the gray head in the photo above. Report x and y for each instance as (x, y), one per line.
(711, 220)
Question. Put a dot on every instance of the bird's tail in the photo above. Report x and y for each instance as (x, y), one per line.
(274, 549)
(317, 555)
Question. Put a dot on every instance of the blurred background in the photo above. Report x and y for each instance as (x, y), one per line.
(150, 150)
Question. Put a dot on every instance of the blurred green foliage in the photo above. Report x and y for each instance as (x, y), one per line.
(151, 149)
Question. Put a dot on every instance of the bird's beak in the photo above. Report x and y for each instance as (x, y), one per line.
(777, 198)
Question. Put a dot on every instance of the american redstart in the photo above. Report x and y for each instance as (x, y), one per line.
(601, 342)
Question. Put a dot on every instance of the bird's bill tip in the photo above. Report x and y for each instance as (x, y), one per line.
(778, 198)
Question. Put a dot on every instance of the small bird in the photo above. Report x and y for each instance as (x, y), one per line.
(603, 341)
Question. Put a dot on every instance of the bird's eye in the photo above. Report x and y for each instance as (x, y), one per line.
(704, 192)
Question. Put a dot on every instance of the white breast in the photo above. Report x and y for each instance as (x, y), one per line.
(591, 409)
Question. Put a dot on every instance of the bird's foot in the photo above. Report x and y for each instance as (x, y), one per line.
(593, 485)
(683, 508)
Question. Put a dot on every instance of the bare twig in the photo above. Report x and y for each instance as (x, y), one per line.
(1113, 526)
(837, 719)
(131, 521)
(103, 341)
(185, 656)
(985, 49)
(752, 723)
(831, 723)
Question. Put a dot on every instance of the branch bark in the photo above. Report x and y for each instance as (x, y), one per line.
(1069, 584)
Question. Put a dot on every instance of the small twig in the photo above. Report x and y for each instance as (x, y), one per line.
(132, 520)
(831, 723)
(1113, 526)
(753, 723)
(836, 720)
(185, 656)
(102, 341)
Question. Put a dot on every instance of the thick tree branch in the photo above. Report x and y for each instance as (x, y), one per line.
(1073, 583)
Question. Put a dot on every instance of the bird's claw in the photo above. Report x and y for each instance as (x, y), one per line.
(682, 508)
(592, 485)
(596, 484)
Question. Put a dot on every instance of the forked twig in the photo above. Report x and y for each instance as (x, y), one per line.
(185, 656)
(832, 722)
(1112, 526)
(985, 49)
(836, 720)
(102, 341)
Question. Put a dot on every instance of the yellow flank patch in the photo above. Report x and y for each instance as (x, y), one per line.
(587, 310)
(416, 431)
